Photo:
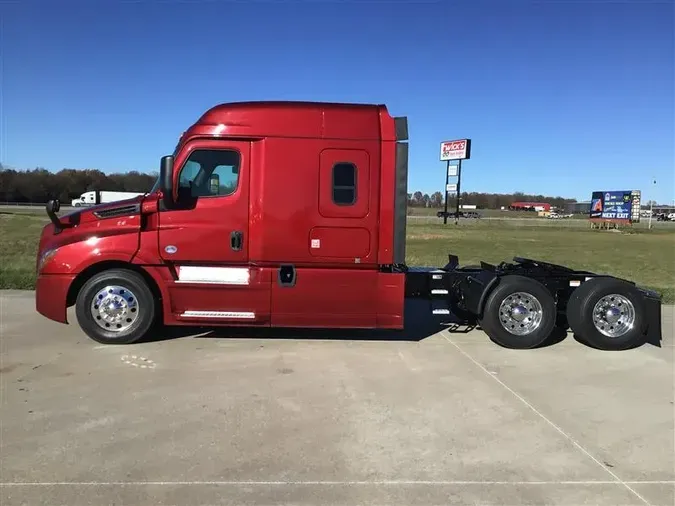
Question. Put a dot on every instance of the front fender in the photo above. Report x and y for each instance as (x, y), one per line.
(74, 257)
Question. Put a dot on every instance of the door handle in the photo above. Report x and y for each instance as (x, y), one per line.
(236, 240)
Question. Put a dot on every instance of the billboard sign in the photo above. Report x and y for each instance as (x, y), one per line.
(451, 187)
(612, 205)
(452, 170)
(456, 150)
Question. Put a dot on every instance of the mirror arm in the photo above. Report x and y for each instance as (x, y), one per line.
(52, 208)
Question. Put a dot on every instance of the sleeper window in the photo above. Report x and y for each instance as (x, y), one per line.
(344, 184)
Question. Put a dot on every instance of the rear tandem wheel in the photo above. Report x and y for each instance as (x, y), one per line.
(608, 314)
(520, 313)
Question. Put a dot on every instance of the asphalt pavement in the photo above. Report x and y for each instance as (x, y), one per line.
(429, 416)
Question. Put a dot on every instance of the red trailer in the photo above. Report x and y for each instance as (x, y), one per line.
(536, 206)
(293, 214)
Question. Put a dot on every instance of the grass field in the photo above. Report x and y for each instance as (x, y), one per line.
(644, 256)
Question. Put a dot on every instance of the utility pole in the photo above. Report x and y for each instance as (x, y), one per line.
(651, 207)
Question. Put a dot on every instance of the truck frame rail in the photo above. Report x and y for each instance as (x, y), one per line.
(519, 304)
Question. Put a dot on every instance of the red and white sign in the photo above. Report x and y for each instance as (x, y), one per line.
(455, 150)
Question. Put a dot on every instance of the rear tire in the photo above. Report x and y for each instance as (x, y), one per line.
(608, 314)
(520, 313)
(116, 307)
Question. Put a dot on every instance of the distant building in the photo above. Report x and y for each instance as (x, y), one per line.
(661, 209)
(536, 206)
(578, 207)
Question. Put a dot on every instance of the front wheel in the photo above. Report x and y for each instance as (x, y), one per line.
(116, 307)
(520, 313)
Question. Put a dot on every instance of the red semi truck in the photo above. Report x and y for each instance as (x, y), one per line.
(293, 214)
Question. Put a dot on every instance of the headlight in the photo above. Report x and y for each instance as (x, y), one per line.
(45, 257)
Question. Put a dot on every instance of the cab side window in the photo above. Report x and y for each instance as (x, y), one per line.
(210, 173)
(344, 184)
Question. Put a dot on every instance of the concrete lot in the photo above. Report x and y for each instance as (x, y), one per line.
(326, 418)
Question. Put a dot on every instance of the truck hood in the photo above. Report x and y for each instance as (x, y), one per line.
(107, 210)
(112, 218)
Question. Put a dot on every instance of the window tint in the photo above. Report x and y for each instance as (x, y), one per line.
(344, 183)
(210, 173)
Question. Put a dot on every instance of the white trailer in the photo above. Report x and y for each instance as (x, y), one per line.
(93, 197)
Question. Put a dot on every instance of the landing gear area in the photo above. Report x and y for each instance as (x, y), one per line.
(524, 304)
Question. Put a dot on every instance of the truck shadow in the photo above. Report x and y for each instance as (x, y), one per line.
(420, 324)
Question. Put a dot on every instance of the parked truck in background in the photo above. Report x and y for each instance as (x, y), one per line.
(95, 197)
(293, 214)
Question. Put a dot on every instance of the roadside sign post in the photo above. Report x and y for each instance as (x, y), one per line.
(459, 179)
(447, 177)
(454, 150)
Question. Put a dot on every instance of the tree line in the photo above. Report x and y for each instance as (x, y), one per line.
(39, 185)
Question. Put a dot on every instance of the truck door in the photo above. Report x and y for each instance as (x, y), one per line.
(205, 237)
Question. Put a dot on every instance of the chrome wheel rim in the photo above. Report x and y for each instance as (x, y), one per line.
(520, 313)
(614, 315)
(114, 308)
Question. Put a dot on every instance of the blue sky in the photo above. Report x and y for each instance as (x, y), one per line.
(559, 97)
